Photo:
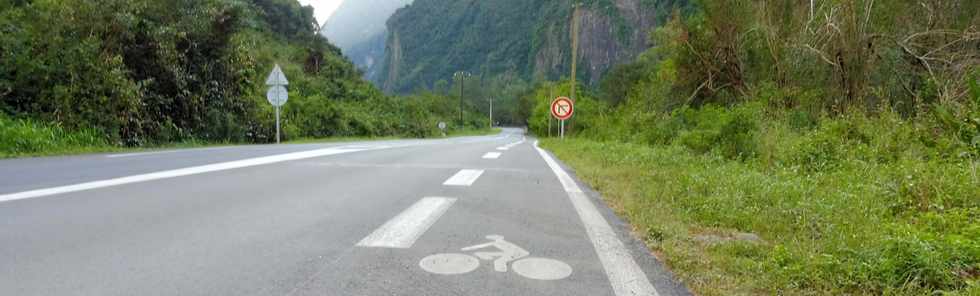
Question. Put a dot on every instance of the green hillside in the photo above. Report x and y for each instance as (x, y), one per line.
(148, 72)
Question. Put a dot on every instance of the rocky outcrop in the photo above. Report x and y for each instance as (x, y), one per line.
(393, 60)
(358, 28)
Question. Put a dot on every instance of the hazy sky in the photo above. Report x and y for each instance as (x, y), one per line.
(324, 8)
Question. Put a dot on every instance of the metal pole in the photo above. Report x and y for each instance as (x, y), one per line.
(277, 124)
(462, 83)
(491, 111)
(562, 129)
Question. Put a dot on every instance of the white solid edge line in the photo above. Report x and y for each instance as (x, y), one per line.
(491, 155)
(625, 276)
(463, 178)
(174, 173)
(403, 230)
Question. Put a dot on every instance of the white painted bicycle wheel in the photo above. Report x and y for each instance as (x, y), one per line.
(449, 264)
(542, 269)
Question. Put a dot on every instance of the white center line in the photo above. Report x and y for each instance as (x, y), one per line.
(464, 178)
(175, 173)
(511, 145)
(624, 274)
(491, 155)
(403, 230)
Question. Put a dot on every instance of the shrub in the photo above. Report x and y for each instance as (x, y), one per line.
(732, 133)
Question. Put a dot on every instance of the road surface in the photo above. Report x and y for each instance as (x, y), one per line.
(364, 218)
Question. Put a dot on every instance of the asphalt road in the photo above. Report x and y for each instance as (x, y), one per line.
(364, 218)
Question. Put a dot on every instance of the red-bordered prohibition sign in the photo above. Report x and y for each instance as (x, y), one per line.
(562, 108)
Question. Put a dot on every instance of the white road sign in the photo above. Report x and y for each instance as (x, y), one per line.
(276, 77)
(277, 95)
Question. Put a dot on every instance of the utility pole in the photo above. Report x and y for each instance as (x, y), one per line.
(574, 46)
(575, 11)
(491, 111)
(462, 84)
(551, 96)
(461, 75)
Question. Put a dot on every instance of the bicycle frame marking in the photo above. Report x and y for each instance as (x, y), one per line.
(508, 256)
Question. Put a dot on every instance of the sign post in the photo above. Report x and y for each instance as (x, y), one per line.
(277, 94)
(562, 109)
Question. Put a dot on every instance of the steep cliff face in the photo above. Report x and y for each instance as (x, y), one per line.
(358, 28)
(531, 39)
(359, 21)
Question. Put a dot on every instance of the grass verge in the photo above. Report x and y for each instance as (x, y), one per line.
(20, 137)
(29, 138)
(904, 227)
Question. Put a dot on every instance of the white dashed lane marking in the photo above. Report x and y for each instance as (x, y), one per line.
(491, 155)
(463, 178)
(403, 230)
(511, 145)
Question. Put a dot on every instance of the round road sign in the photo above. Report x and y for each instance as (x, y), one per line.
(277, 95)
(562, 108)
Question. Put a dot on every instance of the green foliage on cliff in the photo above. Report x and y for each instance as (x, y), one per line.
(432, 39)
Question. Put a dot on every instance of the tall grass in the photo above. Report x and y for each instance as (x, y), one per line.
(25, 137)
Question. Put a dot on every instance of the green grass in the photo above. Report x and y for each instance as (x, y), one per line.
(29, 138)
(850, 207)
(20, 138)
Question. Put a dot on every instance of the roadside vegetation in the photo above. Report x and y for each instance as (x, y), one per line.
(764, 148)
(78, 75)
(29, 137)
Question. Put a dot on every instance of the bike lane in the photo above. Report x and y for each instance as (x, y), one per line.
(515, 206)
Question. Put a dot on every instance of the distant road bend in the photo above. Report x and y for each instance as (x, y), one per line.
(488, 215)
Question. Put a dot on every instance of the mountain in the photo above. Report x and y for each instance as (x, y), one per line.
(358, 28)
(430, 40)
